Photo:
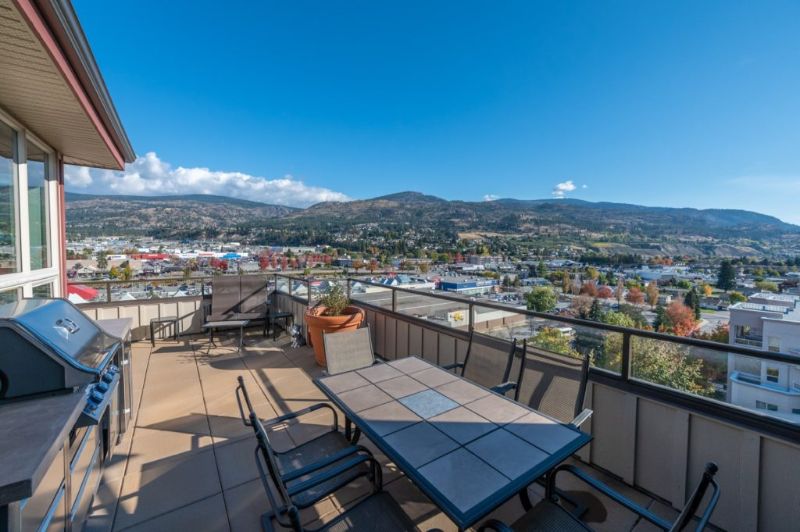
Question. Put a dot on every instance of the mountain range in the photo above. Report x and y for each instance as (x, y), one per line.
(201, 216)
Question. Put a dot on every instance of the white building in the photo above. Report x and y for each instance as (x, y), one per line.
(770, 322)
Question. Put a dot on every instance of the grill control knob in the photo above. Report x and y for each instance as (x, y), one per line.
(102, 387)
(107, 377)
(96, 397)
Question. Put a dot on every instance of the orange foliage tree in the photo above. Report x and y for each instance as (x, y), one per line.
(681, 318)
(635, 296)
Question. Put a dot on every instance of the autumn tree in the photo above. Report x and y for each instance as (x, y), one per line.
(635, 296)
(680, 319)
(423, 267)
(652, 293)
(589, 288)
(581, 306)
(358, 264)
(619, 292)
(708, 290)
(605, 292)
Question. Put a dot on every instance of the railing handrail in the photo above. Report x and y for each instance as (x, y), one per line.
(653, 335)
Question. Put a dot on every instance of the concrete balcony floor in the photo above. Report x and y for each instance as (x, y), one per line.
(187, 462)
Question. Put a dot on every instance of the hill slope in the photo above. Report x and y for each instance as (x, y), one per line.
(189, 216)
(198, 216)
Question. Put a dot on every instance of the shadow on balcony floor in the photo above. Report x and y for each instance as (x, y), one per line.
(187, 463)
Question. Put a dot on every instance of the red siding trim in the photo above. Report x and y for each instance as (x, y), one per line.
(39, 27)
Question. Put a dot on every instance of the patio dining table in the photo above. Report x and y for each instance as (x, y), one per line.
(467, 448)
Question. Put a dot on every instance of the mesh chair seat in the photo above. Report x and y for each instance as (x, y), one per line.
(377, 512)
(349, 350)
(313, 451)
(548, 516)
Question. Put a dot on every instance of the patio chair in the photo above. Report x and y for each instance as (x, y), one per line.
(487, 364)
(238, 297)
(548, 515)
(555, 384)
(322, 453)
(348, 350)
(377, 511)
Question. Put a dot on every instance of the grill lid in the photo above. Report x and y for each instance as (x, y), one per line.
(62, 327)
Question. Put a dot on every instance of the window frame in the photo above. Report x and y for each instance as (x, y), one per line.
(25, 278)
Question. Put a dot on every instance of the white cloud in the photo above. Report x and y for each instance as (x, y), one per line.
(490, 197)
(150, 176)
(561, 189)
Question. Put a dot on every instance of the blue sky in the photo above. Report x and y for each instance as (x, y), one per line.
(658, 103)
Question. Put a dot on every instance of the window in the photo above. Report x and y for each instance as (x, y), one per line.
(761, 405)
(8, 218)
(774, 344)
(37, 206)
(9, 296)
(43, 290)
(795, 410)
(773, 374)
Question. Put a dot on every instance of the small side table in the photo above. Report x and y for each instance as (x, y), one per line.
(168, 320)
(272, 319)
(229, 324)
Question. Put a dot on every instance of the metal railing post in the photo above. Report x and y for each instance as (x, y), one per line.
(394, 300)
(108, 291)
(625, 370)
(471, 317)
(289, 283)
(347, 286)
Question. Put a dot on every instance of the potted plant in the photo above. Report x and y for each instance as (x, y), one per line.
(333, 313)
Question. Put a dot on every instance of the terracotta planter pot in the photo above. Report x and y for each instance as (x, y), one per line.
(318, 325)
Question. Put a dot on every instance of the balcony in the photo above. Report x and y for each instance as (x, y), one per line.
(190, 453)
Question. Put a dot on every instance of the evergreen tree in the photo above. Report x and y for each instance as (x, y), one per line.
(692, 300)
(660, 319)
(595, 312)
(726, 278)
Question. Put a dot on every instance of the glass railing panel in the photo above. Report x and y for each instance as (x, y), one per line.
(436, 310)
(554, 336)
(685, 368)
(379, 296)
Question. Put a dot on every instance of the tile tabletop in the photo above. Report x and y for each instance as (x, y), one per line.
(469, 449)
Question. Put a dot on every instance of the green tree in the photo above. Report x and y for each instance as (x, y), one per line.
(726, 278)
(541, 299)
(766, 286)
(736, 297)
(692, 300)
(555, 341)
(541, 269)
(102, 261)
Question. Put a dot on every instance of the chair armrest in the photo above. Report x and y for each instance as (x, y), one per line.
(581, 418)
(329, 474)
(307, 410)
(496, 525)
(319, 464)
(608, 492)
(504, 388)
(453, 366)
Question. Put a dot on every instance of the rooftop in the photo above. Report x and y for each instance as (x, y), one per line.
(188, 462)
